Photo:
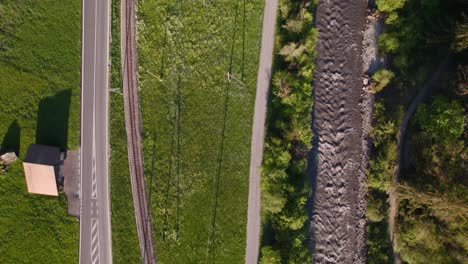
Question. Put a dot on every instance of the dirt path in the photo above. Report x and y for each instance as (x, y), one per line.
(393, 195)
(338, 206)
(258, 131)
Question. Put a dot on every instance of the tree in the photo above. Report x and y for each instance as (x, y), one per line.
(270, 256)
(461, 36)
(382, 131)
(390, 5)
(388, 42)
(381, 79)
(379, 247)
(376, 206)
(443, 121)
(462, 80)
(292, 51)
(294, 25)
(273, 202)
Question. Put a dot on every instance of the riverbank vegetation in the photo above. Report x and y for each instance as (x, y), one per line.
(285, 185)
(198, 63)
(433, 191)
(39, 103)
(418, 35)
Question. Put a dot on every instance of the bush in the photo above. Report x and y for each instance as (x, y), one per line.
(270, 256)
(461, 36)
(381, 79)
(376, 205)
(390, 5)
(444, 120)
(388, 43)
(379, 247)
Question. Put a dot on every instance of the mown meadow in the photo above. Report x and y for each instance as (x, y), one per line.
(198, 64)
(39, 103)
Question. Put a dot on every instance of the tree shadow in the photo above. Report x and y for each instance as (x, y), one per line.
(52, 120)
(11, 140)
(312, 171)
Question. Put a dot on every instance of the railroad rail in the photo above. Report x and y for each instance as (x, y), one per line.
(133, 130)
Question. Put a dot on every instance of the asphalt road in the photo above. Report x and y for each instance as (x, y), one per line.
(95, 229)
(258, 130)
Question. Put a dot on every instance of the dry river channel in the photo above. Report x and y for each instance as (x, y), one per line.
(339, 158)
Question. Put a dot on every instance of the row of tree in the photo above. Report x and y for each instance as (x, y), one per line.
(285, 187)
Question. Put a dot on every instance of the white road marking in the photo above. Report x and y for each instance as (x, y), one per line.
(94, 181)
(94, 241)
(95, 254)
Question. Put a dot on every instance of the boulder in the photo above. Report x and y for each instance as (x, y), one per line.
(8, 158)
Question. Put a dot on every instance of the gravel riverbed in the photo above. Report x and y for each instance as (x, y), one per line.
(340, 114)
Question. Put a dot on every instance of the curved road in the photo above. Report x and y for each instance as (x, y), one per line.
(258, 130)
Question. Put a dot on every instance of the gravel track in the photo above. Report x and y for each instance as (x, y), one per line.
(338, 160)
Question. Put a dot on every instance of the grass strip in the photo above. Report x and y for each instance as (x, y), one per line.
(125, 245)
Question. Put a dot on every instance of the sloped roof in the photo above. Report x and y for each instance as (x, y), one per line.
(42, 154)
(40, 179)
(39, 169)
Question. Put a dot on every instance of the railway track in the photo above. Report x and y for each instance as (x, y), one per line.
(133, 129)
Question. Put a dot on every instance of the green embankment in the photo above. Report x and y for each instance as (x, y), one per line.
(125, 248)
(39, 103)
(432, 188)
(197, 125)
(285, 185)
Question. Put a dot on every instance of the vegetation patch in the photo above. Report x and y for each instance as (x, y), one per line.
(285, 185)
(39, 103)
(198, 64)
(433, 171)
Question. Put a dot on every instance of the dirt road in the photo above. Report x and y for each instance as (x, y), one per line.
(338, 207)
(258, 131)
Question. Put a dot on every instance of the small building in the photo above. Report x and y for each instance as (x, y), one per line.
(40, 166)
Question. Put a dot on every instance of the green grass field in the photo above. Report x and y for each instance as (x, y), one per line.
(39, 103)
(197, 125)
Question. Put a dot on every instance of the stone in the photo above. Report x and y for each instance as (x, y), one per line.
(365, 81)
(8, 158)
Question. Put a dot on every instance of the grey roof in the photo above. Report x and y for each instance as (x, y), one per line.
(42, 154)
(70, 171)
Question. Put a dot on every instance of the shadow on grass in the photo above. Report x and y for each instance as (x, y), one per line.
(11, 140)
(52, 120)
